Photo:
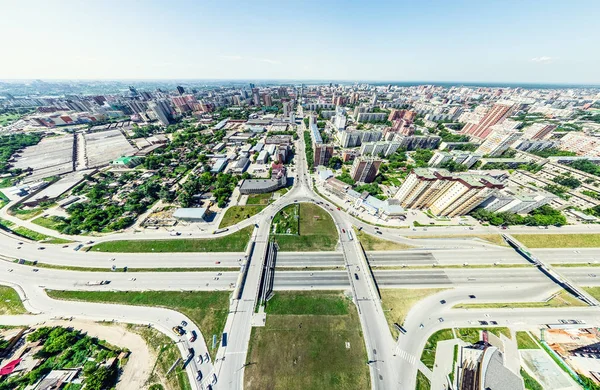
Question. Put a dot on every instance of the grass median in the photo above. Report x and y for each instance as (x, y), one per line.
(122, 269)
(559, 240)
(524, 341)
(10, 302)
(311, 340)
(491, 238)
(234, 242)
(397, 303)
(561, 299)
(208, 310)
(304, 227)
(373, 243)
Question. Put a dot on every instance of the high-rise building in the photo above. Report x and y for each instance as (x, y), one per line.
(374, 99)
(180, 90)
(498, 113)
(161, 114)
(446, 194)
(267, 99)
(287, 108)
(498, 142)
(538, 131)
(282, 92)
(364, 169)
(255, 97)
(339, 120)
(323, 153)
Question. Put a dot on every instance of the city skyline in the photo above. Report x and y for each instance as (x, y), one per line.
(465, 42)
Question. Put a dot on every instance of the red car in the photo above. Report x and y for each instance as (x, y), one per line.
(343, 230)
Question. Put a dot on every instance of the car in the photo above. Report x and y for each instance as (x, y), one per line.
(192, 336)
(338, 208)
(443, 301)
(486, 315)
(483, 322)
(41, 248)
(440, 319)
(178, 330)
(217, 262)
(199, 359)
(19, 243)
(356, 276)
(421, 326)
(343, 230)
(89, 242)
(199, 375)
(207, 357)
(376, 228)
(214, 379)
(190, 351)
(472, 296)
(10, 270)
(35, 270)
(183, 323)
(493, 323)
(471, 228)
(65, 246)
(378, 232)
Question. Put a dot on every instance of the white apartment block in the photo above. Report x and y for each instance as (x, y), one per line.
(497, 142)
(445, 194)
(519, 200)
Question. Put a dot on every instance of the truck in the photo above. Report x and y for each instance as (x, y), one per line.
(98, 282)
(224, 340)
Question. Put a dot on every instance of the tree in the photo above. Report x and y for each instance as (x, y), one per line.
(334, 162)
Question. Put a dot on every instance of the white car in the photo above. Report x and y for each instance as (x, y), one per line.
(199, 359)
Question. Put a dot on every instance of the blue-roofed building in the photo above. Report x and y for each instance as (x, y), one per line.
(219, 165)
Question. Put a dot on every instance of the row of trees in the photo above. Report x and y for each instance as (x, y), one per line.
(542, 216)
(310, 154)
(9, 144)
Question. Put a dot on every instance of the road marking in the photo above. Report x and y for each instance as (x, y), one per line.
(406, 356)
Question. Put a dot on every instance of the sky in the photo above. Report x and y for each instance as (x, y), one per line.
(545, 41)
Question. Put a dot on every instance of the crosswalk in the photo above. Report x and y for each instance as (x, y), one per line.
(406, 356)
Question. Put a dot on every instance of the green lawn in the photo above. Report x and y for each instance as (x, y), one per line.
(208, 310)
(373, 243)
(308, 351)
(26, 214)
(8, 118)
(492, 238)
(593, 291)
(524, 341)
(166, 352)
(530, 382)
(35, 236)
(316, 229)
(234, 242)
(562, 299)
(236, 214)
(121, 269)
(559, 240)
(471, 335)
(50, 222)
(422, 381)
(307, 303)
(428, 355)
(10, 303)
(397, 303)
(259, 199)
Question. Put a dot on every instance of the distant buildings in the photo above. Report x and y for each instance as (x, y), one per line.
(445, 194)
(365, 169)
(464, 158)
(538, 131)
(519, 200)
(581, 144)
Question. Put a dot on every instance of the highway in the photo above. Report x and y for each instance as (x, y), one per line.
(424, 257)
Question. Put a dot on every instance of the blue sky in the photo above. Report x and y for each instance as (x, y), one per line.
(544, 41)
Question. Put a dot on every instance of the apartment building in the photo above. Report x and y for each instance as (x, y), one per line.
(538, 131)
(519, 200)
(498, 142)
(364, 169)
(445, 194)
(583, 145)
(497, 114)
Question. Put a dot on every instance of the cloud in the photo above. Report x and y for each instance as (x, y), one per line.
(268, 61)
(233, 58)
(542, 59)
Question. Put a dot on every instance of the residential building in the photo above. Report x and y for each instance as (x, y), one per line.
(520, 200)
(371, 117)
(445, 194)
(498, 142)
(498, 113)
(581, 144)
(538, 131)
(162, 115)
(322, 154)
(267, 99)
(364, 169)
(255, 97)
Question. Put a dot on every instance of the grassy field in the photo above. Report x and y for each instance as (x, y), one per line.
(8, 118)
(563, 299)
(307, 303)
(235, 242)
(10, 303)
(236, 214)
(208, 310)
(530, 382)
(373, 243)
(26, 214)
(428, 355)
(593, 291)
(471, 335)
(492, 238)
(50, 223)
(287, 221)
(524, 341)
(259, 199)
(559, 240)
(166, 352)
(317, 232)
(422, 381)
(397, 303)
(307, 350)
